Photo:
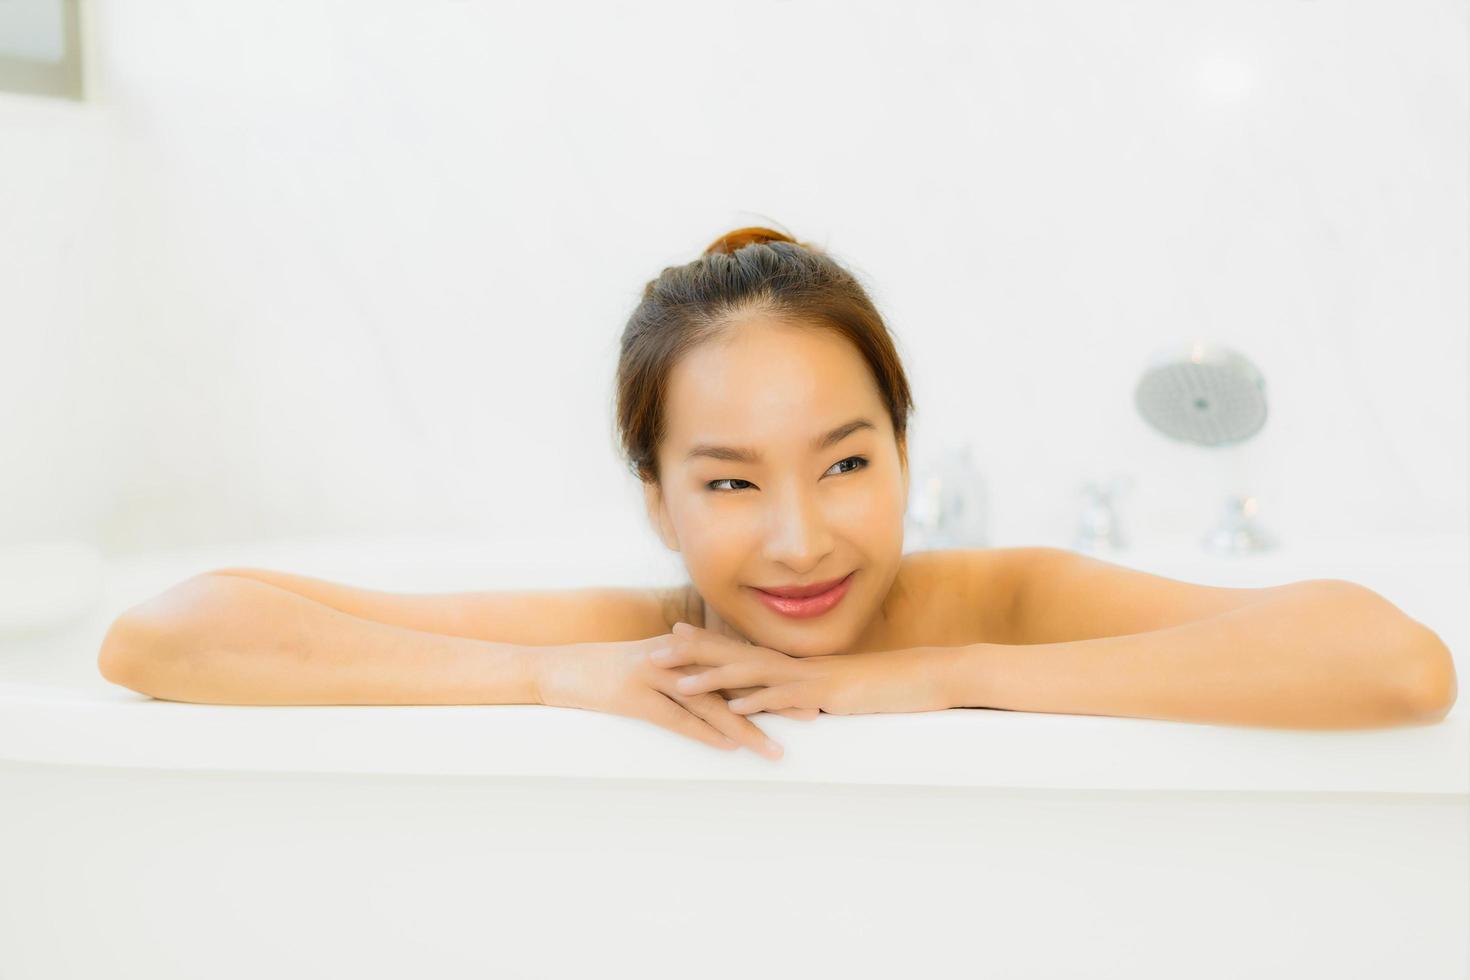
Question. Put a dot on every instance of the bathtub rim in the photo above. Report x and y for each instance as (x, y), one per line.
(120, 729)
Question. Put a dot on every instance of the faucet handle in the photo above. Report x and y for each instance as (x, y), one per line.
(1100, 527)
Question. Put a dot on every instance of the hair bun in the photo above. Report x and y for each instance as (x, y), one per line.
(741, 237)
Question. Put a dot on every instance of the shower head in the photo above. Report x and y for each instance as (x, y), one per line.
(1204, 394)
(1213, 397)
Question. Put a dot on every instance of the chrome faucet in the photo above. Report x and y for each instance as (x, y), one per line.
(1101, 529)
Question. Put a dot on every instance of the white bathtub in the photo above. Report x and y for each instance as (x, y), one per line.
(143, 838)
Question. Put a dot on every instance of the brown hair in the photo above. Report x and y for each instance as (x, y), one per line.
(742, 273)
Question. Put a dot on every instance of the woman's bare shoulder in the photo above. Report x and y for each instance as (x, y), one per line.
(534, 617)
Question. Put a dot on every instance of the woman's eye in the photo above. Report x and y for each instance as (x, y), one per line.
(714, 484)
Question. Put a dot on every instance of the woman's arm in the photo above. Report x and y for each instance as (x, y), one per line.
(1315, 654)
(228, 639)
(533, 617)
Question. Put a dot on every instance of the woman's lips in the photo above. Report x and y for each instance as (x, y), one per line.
(811, 606)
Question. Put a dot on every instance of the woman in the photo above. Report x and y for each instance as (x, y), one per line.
(762, 405)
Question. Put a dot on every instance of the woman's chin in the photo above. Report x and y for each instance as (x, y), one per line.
(806, 646)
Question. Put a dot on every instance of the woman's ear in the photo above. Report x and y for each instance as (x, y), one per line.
(658, 515)
(903, 465)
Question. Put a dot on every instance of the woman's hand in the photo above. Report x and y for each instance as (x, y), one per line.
(715, 625)
(619, 678)
(840, 684)
(731, 693)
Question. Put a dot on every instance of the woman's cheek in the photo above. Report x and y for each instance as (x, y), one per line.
(726, 519)
(717, 548)
(863, 513)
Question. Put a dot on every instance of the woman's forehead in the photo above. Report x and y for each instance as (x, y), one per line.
(748, 387)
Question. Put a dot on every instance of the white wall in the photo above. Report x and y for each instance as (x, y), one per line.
(315, 267)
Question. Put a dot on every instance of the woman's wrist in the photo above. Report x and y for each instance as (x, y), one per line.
(546, 672)
(967, 674)
(507, 673)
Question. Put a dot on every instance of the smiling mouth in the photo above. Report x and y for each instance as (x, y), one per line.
(804, 591)
(807, 607)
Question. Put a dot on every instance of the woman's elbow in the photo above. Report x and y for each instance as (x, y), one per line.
(1432, 684)
(132, 652)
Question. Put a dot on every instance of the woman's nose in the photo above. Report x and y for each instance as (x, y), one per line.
(799, 535)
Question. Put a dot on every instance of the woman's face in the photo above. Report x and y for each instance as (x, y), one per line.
(752, 496)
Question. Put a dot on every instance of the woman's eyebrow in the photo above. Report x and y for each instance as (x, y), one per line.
(740, 455)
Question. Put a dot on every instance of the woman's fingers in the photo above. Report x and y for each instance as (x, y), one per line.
(800, 714)
(714, 709)
(712, 679)
(767, 699)
(692, 645)
(698, 679)
(677, 718)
